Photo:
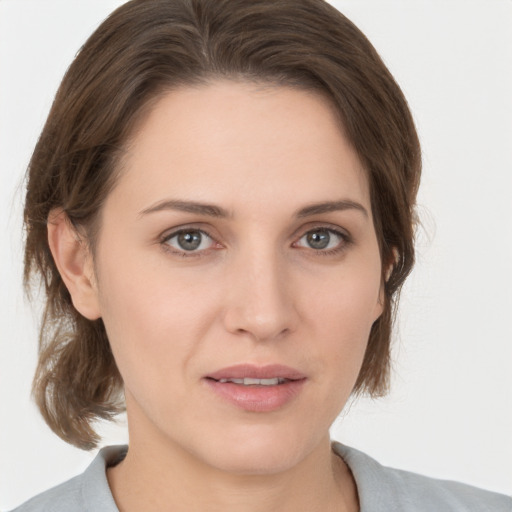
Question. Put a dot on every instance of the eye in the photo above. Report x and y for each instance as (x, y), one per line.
(323, 239)
(189, 240)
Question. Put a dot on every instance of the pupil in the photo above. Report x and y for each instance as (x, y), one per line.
(318, 239)
(190, 240)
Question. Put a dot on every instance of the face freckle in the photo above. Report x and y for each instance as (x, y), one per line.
(240, 234)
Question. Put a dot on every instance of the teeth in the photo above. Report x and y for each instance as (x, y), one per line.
(248, 381)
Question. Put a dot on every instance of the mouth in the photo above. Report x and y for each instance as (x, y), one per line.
(257, 388)
(251, 374)
(249, 381)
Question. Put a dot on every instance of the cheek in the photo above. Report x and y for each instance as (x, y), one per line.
(349, 300)
(152, 316)
(340, 318)
(342, 312)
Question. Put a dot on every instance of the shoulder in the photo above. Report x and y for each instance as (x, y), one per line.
(88, 491)
(382, 489)
(63, 497)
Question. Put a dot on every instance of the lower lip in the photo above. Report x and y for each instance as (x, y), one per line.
(257, 398)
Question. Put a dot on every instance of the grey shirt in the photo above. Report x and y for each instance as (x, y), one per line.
(380, 489)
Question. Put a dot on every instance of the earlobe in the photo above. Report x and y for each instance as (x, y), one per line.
(74, 263)
(387, 274)
(391, 264)
(379, 307)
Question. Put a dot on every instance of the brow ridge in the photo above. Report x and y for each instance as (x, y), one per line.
(209, 210)
(212, 210)
(331, 206)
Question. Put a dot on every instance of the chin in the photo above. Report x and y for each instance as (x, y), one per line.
(257, 463)
(259, 452)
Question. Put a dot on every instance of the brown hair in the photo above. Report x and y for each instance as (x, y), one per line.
(147, 47)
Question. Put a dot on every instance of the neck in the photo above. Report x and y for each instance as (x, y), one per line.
(255, 470)
(164, 478)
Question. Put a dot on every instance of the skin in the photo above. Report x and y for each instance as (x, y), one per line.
(255, 291)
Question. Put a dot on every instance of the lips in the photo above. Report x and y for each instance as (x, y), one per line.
(256, 388)
(248, 371)
(250, 381)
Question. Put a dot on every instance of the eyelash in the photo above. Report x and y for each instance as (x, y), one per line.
(346, 240)
(184, 254)
(164, 242)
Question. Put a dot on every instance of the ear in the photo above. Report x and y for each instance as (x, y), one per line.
(74, 263)
(391, 264)
(379, 306)
(387, 274)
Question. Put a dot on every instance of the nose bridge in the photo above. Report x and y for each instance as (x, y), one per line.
(261, 298)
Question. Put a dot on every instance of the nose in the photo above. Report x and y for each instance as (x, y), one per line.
(260, 298)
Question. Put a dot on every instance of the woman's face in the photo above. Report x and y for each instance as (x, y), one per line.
(238, 274)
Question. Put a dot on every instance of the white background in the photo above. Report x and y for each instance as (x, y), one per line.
(450, 410)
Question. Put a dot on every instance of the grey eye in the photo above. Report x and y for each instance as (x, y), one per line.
(190, 240)
(318, 239)
(321, 239)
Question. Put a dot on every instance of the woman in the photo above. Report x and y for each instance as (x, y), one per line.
(221, 205)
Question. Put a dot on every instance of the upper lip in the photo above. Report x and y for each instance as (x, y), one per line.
(242, 371)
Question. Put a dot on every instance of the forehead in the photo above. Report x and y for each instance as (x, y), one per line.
(235, 142)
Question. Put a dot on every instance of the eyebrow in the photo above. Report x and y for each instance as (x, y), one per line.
(331, 206)
(211, 210)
